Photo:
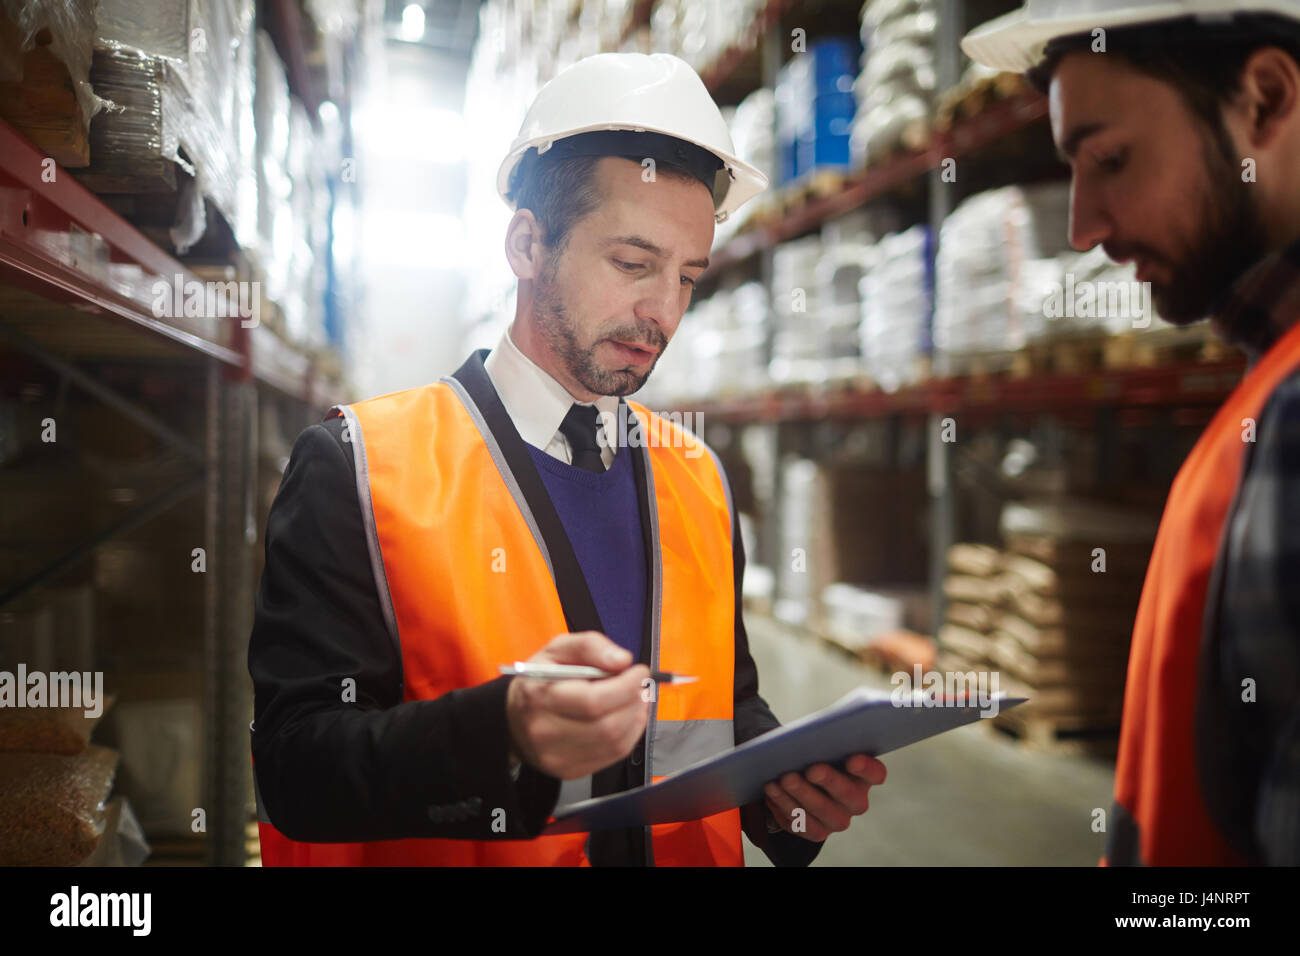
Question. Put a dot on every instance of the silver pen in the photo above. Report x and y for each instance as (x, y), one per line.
(582, 672)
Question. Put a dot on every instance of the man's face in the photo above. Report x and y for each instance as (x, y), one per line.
(1152, 184)
(609, 304)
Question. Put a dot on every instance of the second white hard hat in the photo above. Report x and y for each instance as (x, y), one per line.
(654, 93)
(1016, 42)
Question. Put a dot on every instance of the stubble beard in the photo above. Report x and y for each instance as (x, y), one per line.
(1229, 241)
(557, 328)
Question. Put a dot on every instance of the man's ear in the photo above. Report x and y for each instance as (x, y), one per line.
(524, 245)
(1270, 96)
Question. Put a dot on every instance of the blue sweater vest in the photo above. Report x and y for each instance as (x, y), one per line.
(603, 522)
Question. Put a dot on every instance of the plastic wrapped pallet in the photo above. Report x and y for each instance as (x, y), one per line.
(700, 32)
(806, 564)
(70, 26)
(896, 304)
(855, 616)
(798, 345)
(271, 117)
(182, 70)
(839, 274)
(980, 269)
(302, 301)
(896, 88)
(752, 132)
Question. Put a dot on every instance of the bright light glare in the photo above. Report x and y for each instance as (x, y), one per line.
(423, 241)
(429, 134)
(412, 23)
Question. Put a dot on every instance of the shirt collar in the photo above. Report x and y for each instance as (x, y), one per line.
(1264, 303)
(535, 401)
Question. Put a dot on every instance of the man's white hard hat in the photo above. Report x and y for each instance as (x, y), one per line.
(637, 92)
(1015, 42)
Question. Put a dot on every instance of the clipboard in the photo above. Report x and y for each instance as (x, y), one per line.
(865, 720)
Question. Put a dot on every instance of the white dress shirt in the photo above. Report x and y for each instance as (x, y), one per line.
(537, 403)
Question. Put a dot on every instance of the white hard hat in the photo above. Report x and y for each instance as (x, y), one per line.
(1015, 42)
(640, 93)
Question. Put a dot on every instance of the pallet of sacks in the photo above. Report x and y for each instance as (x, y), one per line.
(1070, 582)
(1051, 613)
(973, 592)
(57, 806)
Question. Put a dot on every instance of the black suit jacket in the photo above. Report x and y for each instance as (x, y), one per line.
(381, 768)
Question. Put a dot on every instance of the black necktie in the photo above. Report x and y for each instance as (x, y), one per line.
(579, 427)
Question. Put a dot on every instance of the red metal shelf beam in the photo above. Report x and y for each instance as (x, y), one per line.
(1180, 384)
(40, 200)
(34, 208)
(730, 59)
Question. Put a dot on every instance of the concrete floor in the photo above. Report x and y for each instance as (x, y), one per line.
(969, 797)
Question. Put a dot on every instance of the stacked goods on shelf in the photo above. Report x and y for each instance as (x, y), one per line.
(833, 530)
(987, 249)
(504, 74)
(973, 593)
(752, 126)
(53, 807)
(700, 33)
(719, 350)
(1007, 280)
(54, 783)
(805, 567)
(742, 359)
(839, 276)
(1053, 614)
(798, 345)
(867, 621)
(896, 294)
(157, 727)
(978, 86)
(272, 116)
(815, 108)
(303, 303)
(45, 91)
(183, 72)
(896, 88)
(1086, 293)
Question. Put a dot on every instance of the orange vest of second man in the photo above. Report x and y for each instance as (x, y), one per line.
(1165, 782)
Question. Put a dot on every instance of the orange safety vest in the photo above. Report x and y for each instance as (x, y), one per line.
(1165, 781)
(466, 583)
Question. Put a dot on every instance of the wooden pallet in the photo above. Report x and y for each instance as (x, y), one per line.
(811, 186)
(970, 100)
(1091, 353)
(1058, 733)
(41, 101)
(1164, 347)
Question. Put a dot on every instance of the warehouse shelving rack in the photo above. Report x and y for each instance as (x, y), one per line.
(65, 316)
(1106, 399)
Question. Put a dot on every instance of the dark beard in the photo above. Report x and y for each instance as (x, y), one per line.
(1231, 239)
(557, 328)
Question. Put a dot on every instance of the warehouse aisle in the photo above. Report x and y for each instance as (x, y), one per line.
(968, 798)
